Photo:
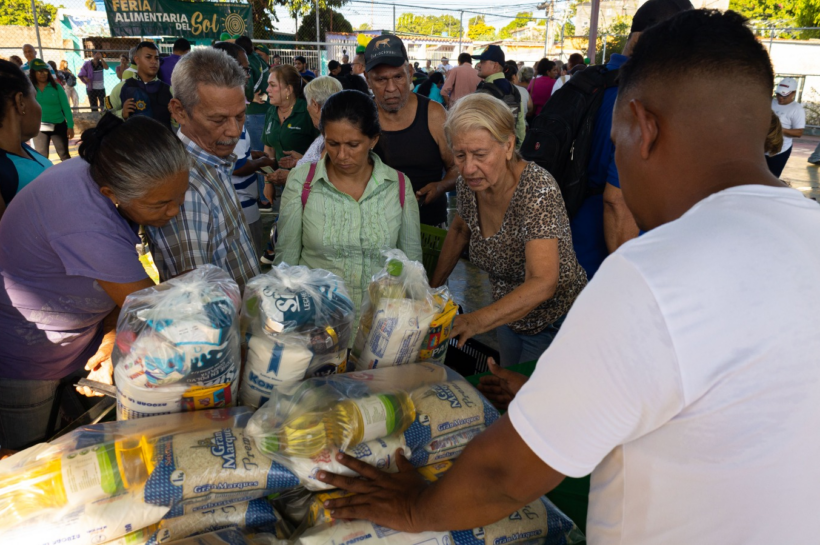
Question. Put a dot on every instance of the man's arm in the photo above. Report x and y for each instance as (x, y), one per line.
(436, 116)
(496, 487)
(114, 101)
(84, 73)
(793, 133)
(619, 224)
(104, 64)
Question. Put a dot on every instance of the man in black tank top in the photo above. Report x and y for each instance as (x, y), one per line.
(412, 139)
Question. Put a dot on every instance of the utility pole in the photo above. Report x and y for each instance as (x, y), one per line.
(549, 39)
(394, 18)
(460, 31)
(37, 28)
(318, 38)
(594, 8)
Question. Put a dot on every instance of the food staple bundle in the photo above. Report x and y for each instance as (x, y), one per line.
(297, 323)
(403, 319)
(178, 346)
(425, 410)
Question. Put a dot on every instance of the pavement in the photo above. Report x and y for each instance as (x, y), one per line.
(799, 173)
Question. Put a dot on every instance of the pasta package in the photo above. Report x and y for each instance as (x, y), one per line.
(175, 338)
(297, 323)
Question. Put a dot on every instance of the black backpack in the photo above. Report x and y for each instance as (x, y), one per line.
(560, 137)
(512, 99)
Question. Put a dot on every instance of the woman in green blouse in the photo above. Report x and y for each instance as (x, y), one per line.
(288, 126)
(57, 123)
(353, 206)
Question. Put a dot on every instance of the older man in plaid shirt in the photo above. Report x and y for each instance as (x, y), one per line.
(209, 106)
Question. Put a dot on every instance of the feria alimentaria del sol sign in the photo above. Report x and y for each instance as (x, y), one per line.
(175, 18)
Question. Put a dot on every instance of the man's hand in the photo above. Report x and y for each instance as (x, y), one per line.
(277, 177)
(429, 193)
(500, 387)
(388, 499)
(70, 133)
(260, 97)
(290, 159)
(128, 107)
(465, 327)
(265, 161)
(101, 368)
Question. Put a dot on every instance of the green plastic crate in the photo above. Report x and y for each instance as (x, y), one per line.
(432, 239)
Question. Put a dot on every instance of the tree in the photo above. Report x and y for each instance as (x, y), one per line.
(18, 12)
(616, 36)
(429, 25)
(479, 31)
(520, 21)
(364, 26)
(329, 21)
(783, 14)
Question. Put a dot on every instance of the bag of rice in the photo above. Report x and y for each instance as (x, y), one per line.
(175, 337)
(297, 323)
(397, 315)
(202, 470)
(253, 516)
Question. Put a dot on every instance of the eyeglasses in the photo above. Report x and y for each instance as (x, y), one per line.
(247, 69)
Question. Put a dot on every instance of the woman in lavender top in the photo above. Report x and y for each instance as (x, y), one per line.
(68, 260)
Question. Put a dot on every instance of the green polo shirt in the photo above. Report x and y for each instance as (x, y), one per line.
(520, 125)
(54, 103)
(297, 133)
(258, 81)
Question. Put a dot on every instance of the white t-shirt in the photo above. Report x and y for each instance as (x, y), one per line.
(560, 82)
(791, 116)
(444, 67)
(245, 186)
(686, 379)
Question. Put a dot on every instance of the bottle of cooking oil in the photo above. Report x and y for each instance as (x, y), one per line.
(346, 424)
(76, 478)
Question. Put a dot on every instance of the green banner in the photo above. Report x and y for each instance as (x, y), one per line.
(175, 18)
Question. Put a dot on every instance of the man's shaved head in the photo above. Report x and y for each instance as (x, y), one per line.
(694, 99)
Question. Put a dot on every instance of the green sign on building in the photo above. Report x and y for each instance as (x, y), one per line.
(175, 18)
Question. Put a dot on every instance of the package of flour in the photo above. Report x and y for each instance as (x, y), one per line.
(380, 453)
(207, 469)
(398, 311)
(90, 524)
(296, 323)
(178, 335)
(362, 532)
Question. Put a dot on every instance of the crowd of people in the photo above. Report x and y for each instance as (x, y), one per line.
(670, 360)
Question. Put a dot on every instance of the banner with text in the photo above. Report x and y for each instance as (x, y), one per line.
(175, 18)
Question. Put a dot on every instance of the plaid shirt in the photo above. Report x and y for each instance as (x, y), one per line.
(210, 226)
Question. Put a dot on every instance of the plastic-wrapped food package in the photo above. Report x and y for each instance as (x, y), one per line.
(403, 320)
(226, 536)
(177, 345)
(537, 522)
(422, 408)
(253, 516)
(92, 464)
(297, 323)
(97, 522)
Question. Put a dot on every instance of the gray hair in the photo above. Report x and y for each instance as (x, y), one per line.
(132, 157)
(205, 66)
(132, 55)
(526, 74)
(320, 89)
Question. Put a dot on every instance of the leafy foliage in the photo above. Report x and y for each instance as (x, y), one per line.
(329, 21)
(616, 36)
(520, 21)
(429, 25)
(479, 30)
(18, 12)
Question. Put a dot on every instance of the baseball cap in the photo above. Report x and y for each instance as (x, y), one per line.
(786, 86)
(492, 53)
(263, 48)
(37, 64)
(385, 49)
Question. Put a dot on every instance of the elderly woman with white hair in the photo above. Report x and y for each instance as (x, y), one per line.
(512, 217)
(316, 94)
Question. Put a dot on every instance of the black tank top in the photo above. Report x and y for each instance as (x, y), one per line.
(414, 152)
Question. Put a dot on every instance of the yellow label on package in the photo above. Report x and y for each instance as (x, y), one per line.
(435, 345)
(207, 397)
(433, 472)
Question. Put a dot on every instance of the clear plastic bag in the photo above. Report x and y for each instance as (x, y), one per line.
(177, 345)
(370, 415)
(539, 522)
(74, 476)
(297, 323)
(403, 319)
(253, 516)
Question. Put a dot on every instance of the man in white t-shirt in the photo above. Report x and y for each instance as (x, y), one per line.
(445, 65)
(685, 378)
(792, 118)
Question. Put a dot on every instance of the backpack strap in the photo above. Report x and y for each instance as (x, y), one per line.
(306, 186)
(401, 189)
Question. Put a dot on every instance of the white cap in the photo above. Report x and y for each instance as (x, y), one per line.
(786, 86)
